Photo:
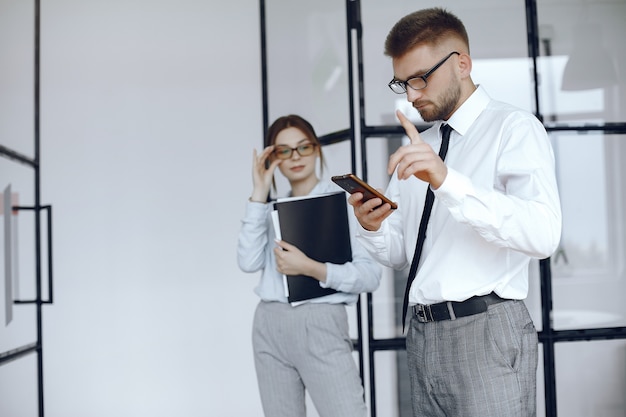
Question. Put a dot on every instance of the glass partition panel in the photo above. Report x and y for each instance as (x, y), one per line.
(582, 64)
(387, 299)
(387, 306)
(393, 396)
(18, 381)
(588, 268)
(591, 378)
(307, 62)
(17, 255)
(498, 47)
(336, 159)
(16, 76)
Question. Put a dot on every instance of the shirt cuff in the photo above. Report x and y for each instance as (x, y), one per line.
(370, 233)
(329, 276)
(454, 189)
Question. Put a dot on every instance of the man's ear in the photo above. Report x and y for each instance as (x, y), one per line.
(465, 65)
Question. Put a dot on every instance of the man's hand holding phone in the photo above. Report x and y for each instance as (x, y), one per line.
(370, 205)
(370, 213)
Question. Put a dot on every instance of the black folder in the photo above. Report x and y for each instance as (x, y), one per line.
(318, 226)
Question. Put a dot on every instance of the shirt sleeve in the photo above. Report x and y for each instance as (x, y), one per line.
(362, 274)
(253, 237)
(521, 211)
(387, 244)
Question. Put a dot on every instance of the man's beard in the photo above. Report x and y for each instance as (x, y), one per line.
(448, 102)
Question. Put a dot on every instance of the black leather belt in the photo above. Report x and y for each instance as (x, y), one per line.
(450, 310)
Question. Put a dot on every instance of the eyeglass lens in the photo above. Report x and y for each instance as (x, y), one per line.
(285, 152)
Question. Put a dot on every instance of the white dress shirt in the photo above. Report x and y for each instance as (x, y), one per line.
(497, 208)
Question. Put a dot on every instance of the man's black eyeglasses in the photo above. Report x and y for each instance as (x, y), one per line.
(285, 152)
(418, 82)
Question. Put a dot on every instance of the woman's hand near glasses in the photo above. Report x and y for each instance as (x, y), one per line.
(262, 176)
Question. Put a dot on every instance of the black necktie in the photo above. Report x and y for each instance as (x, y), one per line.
(421, 237)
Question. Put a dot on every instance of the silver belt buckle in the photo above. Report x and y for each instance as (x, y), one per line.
(424, 313)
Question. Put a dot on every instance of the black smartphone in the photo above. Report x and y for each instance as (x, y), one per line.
(353, 184)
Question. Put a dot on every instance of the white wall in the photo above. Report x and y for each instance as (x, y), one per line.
(150, 110)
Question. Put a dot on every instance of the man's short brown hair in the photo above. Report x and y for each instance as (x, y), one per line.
(423, 27)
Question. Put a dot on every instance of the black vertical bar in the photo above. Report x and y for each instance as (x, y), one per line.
(549, 365)
(263, 69)
(37, 62)
(351, 21)
(50, 285)
(532, 30)
(370, 336)
(358, 346)
(358, 26)
(354, 10)
(354, 13)
(532, 33)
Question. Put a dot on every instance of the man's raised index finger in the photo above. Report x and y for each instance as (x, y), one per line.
(409, 128)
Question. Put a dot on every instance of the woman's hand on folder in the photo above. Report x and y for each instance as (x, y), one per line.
(292, 261)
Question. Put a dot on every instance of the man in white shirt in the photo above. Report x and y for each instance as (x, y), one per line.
(471, 344)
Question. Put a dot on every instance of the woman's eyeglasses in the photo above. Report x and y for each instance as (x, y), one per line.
(285, 152)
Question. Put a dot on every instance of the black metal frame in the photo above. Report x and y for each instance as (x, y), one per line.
(35, 164)
(548, 337)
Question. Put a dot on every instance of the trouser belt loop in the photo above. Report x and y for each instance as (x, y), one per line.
(451, 310)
